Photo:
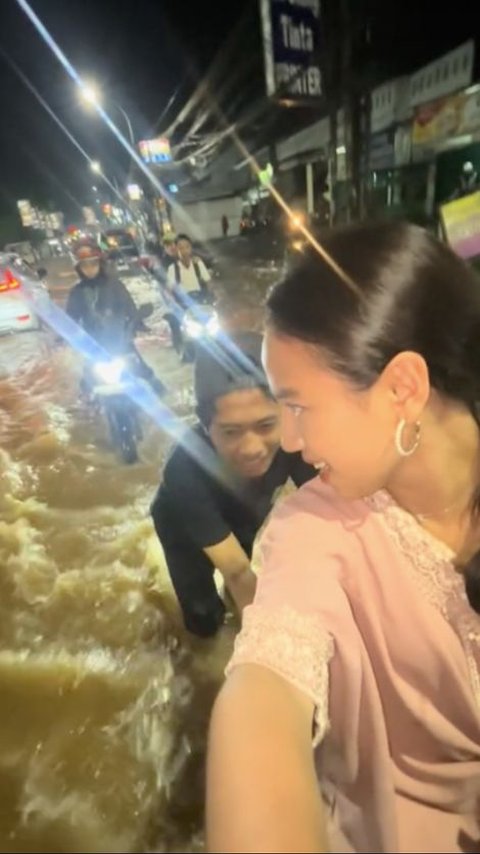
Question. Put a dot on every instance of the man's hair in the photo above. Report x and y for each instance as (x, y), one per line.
(183, 237)
(233, 366)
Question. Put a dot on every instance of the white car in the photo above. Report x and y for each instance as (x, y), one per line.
(16, 312)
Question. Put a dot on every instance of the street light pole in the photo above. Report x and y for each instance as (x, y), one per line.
(91, 95)
(128, 122)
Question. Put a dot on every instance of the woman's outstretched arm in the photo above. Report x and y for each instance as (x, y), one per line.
(262, 790)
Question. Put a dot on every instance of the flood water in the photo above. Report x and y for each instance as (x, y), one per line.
(104, 698)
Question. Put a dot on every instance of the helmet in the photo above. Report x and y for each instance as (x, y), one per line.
(87, 250)
(468, 167)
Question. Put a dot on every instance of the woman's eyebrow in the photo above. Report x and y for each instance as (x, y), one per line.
(286, 393)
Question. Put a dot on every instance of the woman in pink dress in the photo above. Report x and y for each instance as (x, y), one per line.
(350, 718)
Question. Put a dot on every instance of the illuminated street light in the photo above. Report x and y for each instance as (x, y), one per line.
(96, 167)
(92, 96)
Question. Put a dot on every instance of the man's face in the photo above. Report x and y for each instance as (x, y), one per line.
(90, 267)
(245, 431)
(184, 248)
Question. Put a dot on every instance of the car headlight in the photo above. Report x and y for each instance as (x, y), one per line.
(213, 325)
(193, 328)
(110, 372)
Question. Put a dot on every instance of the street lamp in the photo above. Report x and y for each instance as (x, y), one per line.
(91, 95)
(96, 167)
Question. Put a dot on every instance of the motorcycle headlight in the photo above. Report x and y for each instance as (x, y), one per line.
(193, 328)
(298, 245)
(110, 372)
(296, 220)
(213, 325)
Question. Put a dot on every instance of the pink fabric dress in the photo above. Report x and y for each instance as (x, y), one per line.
(363, 610)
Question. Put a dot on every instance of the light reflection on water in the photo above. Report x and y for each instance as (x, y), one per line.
(105, 700)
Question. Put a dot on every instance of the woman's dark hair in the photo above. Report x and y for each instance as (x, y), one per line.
(404, 291)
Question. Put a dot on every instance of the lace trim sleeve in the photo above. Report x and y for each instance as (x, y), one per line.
(293, 645)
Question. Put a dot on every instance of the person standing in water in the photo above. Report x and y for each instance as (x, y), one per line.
(220, 482)
(350, 719)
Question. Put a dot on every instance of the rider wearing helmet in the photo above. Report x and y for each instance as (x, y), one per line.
(169, 249)
(468, 181)
(102, 305)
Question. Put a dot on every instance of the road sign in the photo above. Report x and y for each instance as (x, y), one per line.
(291, 43)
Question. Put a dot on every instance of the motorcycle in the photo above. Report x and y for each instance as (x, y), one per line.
(109, 389)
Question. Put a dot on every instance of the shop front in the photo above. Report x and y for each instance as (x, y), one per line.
(394, 186)
(445, 137)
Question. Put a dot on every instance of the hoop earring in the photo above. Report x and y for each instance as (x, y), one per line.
(401, 450)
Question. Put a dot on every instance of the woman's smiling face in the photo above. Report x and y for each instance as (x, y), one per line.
(345, 431)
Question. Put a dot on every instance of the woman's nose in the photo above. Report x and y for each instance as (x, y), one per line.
(290, 436)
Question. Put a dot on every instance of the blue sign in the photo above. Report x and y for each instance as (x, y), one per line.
(291, 39)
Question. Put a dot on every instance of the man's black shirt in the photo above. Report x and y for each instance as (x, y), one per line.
(203, 504)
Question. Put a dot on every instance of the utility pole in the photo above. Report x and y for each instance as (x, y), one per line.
(352, 101)
(344, 27)
(331, 57)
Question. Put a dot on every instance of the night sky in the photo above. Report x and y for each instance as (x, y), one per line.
(141, 52)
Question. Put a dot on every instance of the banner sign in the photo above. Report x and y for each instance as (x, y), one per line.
(27, 213)
(155, 150)
(403, 145)
(461, 223)
(134, 192)
(455, 115)
(291, 43)
(381, 153)
(89, 217)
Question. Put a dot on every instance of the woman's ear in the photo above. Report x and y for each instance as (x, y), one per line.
(407, 381)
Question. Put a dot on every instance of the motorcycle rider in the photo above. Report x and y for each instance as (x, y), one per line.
(187, 279)
(102, 305)
(220, 482)
(169, 250)
(468, 181)
(187, 272)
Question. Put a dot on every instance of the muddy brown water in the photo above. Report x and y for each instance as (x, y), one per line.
(104, 698)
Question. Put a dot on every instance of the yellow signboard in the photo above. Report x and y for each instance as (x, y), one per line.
(456, 115)
(461, 223)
